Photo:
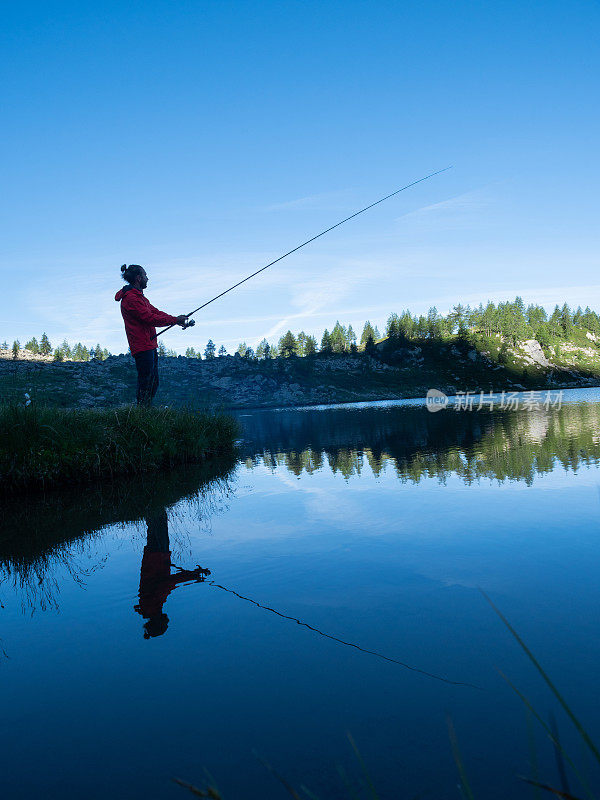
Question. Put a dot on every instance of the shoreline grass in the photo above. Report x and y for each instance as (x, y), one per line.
(43, 447)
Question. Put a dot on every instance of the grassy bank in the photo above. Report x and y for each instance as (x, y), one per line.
(42, 446)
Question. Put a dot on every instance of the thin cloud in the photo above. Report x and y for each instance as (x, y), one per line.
(457, 212)
(316, 297)
(325, 200)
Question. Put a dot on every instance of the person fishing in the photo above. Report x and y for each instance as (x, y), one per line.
(140, 317)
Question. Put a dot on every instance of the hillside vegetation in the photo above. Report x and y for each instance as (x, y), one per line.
(491, 348)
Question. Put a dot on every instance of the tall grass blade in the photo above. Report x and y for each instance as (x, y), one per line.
(351, 790)
(555, 792)
(363, 766)
(560, 764)
(210, 792)
(288, 787)
(308, 793)
(528, 705)
(533, 762)
(581, 730)
(458, 760)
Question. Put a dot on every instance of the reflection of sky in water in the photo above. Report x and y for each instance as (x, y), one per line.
(391, 565)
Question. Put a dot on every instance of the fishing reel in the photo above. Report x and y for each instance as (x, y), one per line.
(189, 324)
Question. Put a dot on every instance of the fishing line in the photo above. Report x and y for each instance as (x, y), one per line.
(308, 241)
(342, 641)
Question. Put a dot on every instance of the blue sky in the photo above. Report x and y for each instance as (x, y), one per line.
(202, 140)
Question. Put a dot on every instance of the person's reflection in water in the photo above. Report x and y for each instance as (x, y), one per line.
(156, 581)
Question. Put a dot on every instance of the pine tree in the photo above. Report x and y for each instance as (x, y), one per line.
(351, 337)
(222, 351)
(209, 350)
(522, 327)
(368, 332)
(5, 345)
(310, 346)
(45, 346)
(566, 321)
(339, 338)
(105, 354)
(406, 326)
(98, 352)
(33, 346)
(421, 327)
(369, 344)
(162, 350)
(490, 320)
(590, 320)
(434, 328)
(536, 318)
(190, 353)
(326, 342)
(16, 346)
(554, 323)
(542, 334)
(301, 343)
(66, 350)
(58, 354)
(456, 318)
(262, 349)
(288, 345)
(249, 354)
(392, 328)
(242, 349)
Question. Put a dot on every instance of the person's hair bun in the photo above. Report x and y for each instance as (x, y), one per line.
(130, 273)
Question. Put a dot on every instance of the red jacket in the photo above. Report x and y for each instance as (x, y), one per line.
(140, 318)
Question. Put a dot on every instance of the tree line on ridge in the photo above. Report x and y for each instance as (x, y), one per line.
(511, 321)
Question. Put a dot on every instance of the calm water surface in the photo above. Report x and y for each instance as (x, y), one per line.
(346, 549)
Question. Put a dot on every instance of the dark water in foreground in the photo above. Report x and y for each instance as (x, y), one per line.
(374, 527)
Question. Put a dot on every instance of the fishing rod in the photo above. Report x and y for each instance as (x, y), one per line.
(308, 241)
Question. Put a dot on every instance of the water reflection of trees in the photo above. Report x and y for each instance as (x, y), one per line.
(501, 445)
(54, 533)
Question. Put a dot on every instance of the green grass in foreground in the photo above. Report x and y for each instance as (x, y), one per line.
(42, 446)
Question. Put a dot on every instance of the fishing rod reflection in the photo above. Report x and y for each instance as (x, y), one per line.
(156, 580)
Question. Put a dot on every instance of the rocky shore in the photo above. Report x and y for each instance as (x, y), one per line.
(235, 382)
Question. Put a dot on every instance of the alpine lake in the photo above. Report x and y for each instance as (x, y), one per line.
(321, 624)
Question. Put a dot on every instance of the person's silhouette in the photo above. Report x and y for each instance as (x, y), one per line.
(156, 580)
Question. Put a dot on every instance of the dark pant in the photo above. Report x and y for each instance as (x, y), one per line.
(147, 370)
(158, 532)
